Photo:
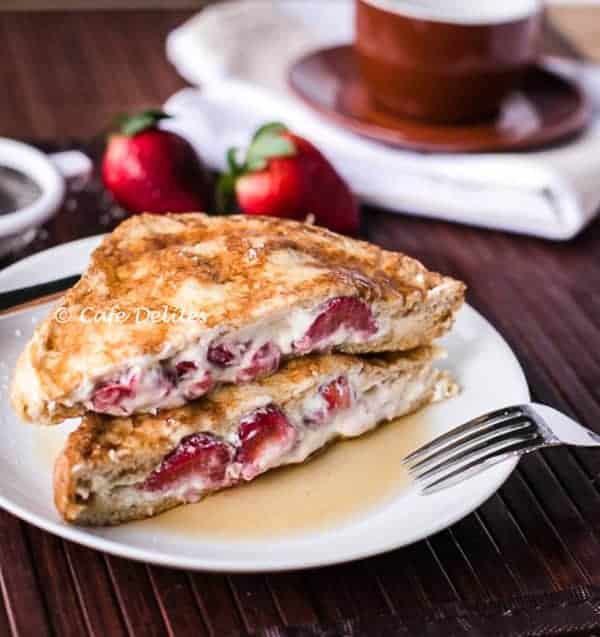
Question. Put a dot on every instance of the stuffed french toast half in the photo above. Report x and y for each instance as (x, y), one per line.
(173, 306)
(116, 469)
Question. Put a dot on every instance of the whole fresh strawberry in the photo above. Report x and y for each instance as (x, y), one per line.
(151, 170)
(283, 175)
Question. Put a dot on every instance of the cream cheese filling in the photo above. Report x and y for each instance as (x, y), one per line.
(153, 390)
(371, 406)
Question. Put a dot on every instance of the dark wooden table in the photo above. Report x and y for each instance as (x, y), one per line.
(527, 562)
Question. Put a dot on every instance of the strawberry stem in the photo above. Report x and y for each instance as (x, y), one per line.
(232, 163)
(225, 193)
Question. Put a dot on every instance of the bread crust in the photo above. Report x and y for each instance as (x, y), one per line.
(227, 271)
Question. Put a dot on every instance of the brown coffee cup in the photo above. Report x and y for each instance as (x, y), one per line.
(445, 65)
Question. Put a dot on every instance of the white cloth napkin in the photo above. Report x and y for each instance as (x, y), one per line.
(239, 52)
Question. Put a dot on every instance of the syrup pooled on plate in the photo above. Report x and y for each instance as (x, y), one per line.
(344, 481)
(341, 482)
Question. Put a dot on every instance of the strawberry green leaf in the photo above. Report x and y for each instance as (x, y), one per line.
(232, 164)
(134, 124)
(225, 193)
(268, 143)
(270, 128)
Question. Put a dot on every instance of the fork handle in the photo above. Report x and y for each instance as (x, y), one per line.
(565, 430)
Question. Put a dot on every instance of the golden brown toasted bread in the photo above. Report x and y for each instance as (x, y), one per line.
(118, 469)
(232, 297)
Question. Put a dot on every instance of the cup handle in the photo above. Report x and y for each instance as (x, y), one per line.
(72, 165)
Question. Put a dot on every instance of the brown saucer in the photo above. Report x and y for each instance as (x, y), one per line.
(548, 107)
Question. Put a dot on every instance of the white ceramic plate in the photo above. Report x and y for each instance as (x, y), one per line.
(484, 365)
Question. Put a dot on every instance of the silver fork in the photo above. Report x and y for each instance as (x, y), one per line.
(491, 438)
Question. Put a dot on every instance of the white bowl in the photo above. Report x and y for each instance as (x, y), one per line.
(49, 172)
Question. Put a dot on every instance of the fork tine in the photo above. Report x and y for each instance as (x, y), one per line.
(494, 443)
(480, 464)
(467, 427)
(497, 428)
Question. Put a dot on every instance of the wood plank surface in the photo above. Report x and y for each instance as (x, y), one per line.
(527, 562)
